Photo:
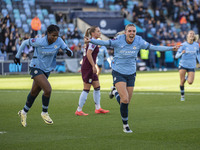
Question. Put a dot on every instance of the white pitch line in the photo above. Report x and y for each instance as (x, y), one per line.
(74, 92)
(3, 132)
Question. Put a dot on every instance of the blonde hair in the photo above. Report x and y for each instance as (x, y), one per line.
(129, 25)
(196, 36)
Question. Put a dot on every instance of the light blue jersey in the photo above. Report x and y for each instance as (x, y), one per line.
(100, 57)
(44, 57)
(188, 59)
(125, 54)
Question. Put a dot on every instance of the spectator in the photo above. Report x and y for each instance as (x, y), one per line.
(36, 26)
(59, 18)
(198, 22)
(7, 20)
(124, 12)
(76, 34)
(69, 33)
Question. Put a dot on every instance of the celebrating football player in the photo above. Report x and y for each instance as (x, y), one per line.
(42, 63)
(189, 52)
(126, 48)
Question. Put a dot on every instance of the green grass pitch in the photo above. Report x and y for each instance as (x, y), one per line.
(159, 120)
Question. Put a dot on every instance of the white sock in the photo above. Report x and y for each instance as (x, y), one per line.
(97, 106)
(82, 99)
(79, 109)
(97, 97)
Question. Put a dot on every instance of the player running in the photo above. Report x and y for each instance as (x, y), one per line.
(126, 48)
(188, 52)
(42, 63)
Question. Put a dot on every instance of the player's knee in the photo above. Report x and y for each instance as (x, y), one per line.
(86, 90)
(190, 82)
(97, 88)
(125, 101)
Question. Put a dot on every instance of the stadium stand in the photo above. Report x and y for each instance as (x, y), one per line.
(159, 22)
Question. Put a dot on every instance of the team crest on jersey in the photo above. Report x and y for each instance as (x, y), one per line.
(35, 72)
(93, 45)
(33, 40)
(90, 81)
(134, 47)
(55, 46)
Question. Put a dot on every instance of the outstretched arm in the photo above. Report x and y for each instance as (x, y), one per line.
(97, 42)
(163, 48)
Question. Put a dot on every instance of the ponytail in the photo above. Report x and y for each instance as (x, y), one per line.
(87, 33)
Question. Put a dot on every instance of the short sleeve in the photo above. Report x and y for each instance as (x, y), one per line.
(91, 46)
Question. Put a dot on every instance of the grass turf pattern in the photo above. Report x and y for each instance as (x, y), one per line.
(158, 118)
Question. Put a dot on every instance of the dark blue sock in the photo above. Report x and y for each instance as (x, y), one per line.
(29, 102)
(45, 103)
(117, 97)
(124, 112)
(182, 90)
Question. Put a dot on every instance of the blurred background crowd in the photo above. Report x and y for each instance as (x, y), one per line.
(167, 21)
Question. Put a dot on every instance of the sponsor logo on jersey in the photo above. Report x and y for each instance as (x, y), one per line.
(33, 40)
(127, 52)
(35, 72)
(90, 81)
